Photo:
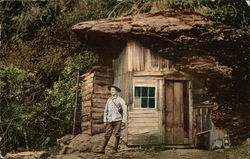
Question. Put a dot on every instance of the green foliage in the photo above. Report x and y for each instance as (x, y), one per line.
(61, 96)
(128, 7)
(230, 12)
(39, 60)
(32, 116)
(16, 92)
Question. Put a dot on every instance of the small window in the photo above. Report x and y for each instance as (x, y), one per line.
(144, 97)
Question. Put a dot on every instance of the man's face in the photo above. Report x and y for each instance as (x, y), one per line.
(113, 91)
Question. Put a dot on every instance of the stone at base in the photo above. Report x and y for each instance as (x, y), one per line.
(28, 155)
(96, 150)
(114, 151)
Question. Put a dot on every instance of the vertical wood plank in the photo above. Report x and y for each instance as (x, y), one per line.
(152, 62)
(147, 60)
(201, 119)
(138, 60)
(159, 105)
(142, 59)
(163, 104)
(181, 123)
(134, 55)
(178, 113)
(161, 65)
(169, 112)
(175, 102)
(204, 115)
(129, 56)
(123, 62)
(130, 88)
(191, 116)
(186, 109)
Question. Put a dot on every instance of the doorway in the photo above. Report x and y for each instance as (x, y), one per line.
(177, 112)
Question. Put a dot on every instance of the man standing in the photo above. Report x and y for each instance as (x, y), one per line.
(115, 116)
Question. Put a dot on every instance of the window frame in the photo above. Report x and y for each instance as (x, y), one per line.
(138, 85)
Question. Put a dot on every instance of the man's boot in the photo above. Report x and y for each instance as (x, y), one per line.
(105, 143)
(117, 140)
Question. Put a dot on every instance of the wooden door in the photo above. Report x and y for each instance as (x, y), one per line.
(177, 112)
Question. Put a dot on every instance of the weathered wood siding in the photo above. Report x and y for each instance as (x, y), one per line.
(133, 59)
(202, 118)
(123, 78)
(205, 131)
(94, 94)
(202, 125)
(138, 66)
(177, 112)
(174, 109)
(141, 59)
(143, 127)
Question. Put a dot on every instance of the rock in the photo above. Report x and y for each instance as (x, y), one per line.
(65, 140)
(71, 156)
(87, 143)
(28, 155)
(80, 143)
(219, 150)
(63, 150)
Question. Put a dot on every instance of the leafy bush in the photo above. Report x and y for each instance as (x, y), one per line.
(230, 12)
(16, 92)
(39, 60)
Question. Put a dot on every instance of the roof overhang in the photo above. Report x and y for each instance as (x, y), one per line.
(172, 33)
(159, 30)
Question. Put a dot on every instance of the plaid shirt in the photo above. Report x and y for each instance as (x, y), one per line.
(111, 110)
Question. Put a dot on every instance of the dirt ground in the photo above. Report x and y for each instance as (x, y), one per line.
(83, 147)
(163, 154)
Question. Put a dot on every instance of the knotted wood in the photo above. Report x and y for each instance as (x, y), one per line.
(94, 93)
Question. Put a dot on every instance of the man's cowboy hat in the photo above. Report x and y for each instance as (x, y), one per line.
(117, 88)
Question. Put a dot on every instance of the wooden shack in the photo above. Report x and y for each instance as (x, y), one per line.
(157, 93)
(94, 95)
(158, 97)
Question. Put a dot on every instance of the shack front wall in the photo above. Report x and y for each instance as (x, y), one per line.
(136, 59)
(145, 126)
(138, 66)
(141, 59)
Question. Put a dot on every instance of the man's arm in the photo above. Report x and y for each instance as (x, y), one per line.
(105, 114)
(124, 111)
